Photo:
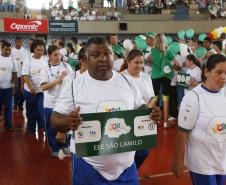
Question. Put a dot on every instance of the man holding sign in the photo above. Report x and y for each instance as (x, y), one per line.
(99, 90)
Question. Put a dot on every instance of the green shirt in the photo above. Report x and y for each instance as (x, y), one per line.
(158, 60)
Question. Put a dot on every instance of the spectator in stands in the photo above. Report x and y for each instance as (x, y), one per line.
(91, 2)
(28, 15)
(6, 5)
(132, 6)
(12, 5)
(150, 7)
(67, 16)
(202, 4)
(58, 17)
(223, 10)
(39, 16)
(158, 6)
(54, 12)
(1, 6)
(213, 9)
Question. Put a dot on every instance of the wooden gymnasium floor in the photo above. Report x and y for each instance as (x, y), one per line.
(25, 159)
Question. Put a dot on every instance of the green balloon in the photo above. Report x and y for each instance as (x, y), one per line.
(200, 52)
(189, 33)
(168, 40)
(181, 34)
(119, 14)
(119, 50)
(202, 36)
(140, 42)
(174, 47)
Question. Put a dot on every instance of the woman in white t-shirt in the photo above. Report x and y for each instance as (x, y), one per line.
(31, 72)
(51, 83)
(134, 69)
(201, 132)
(194, 70)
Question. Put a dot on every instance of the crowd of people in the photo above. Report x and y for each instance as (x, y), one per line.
(60, 81)
(83, 13)
(215, 9)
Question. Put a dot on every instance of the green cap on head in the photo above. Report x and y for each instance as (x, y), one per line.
(118, 50)
(151, 34)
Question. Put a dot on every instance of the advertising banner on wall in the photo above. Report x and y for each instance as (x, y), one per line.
(65, 26)
(25, 25)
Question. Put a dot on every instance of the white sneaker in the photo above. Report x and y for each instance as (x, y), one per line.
(171, 118)
(165, 125)
(61, 155)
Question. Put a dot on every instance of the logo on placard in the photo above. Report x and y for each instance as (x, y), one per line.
(115, 127)
(92, 133)
(81, 134)
(30, 26)
(151, 126)
(112, 109)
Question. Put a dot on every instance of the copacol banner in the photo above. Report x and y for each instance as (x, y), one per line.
(115, 132)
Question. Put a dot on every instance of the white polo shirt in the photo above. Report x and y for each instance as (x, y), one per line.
(144, 84)
(18, 56)
(7, 67)
(33, 69)
(100, 96)
(50, 73)
(206, 120)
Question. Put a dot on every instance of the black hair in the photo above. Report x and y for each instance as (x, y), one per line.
(82, 53)
(208, 39)
(131, 55)
(95, 40)
(193, 58)
(218, 44)
(70, 45)
(109, 36)
(18, 38)
(74, 39)
(51, 49)
(37, 43)
(5, 44)
(211, 63)
(200, 43)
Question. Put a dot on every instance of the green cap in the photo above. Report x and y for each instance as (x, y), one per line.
(151, 34)
(119, 50)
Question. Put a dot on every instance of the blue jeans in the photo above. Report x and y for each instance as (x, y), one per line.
(140, 156)
(34, 110)
(199, 179)
(51, 133)
(6, 100)
(84, 174)
(180, 94)
(18, 97)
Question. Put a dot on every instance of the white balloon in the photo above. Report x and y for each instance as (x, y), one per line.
(224, 44)
(183, 49)
(127, 44)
